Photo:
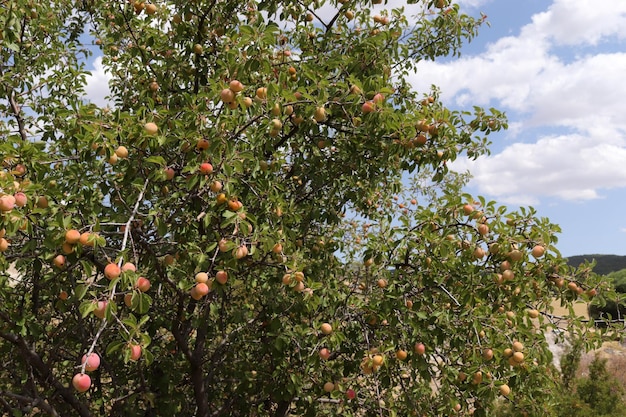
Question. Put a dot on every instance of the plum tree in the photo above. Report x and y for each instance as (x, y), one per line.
(306, 113)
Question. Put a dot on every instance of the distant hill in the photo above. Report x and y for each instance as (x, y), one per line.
(605, 263)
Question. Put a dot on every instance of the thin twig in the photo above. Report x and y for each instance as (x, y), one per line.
(449, 295)
(20, 121)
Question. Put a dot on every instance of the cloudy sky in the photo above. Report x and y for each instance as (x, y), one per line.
(557, 68)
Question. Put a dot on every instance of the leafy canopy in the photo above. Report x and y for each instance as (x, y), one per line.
(299, 244)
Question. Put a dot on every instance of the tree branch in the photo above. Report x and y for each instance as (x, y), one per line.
(35, 402)
(44, 373)
(15, 108)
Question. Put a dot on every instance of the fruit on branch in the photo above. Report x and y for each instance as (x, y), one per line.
(151, 8)
(320, 114)
(241, 252)
(216, 186)
(538, 251)
(221, 277)
(139, 6)
(169, 173)
(378, 360)
(121, 152)
(326, 328)
(477, 378)
(202, 144)
(92, 361)
(368, 107)
(277, 248)
(276, 124)
(235, 86)
(516, 255)
(324, 353)
(86, 240)
(72, 236)
(234, 204)
(112, 271)
(533, 314)
(67, 248)
(468, 209)
(227, 95)
(261, 93)
(401, 354)
(151, 128)
(199, 290)
(143, 284)
(7, 203)
(129, 266)
(100, 310)
(487, 354)
(42, 202)
(508, 275)
(206, 168)
(135, 351)
(20, 199)
(59, 261)
(223, 245)
(81, 382)
(479, 253)
(202, 277)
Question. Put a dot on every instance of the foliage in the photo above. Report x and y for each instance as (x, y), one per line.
(318, 195)
(603, 264)
(570, 362)
(599, 394)
(618, 279)
(608, 309)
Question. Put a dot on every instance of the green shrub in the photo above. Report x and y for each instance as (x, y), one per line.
(599, 394)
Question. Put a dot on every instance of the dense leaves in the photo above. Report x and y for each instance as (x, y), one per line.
(270, 171)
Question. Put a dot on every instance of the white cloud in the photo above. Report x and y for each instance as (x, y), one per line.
(590, 91)
(548, 77)
(504, 72)
(571, 22)
(97, 88)
(570, 167)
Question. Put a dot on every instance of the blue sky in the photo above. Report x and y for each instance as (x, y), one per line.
(557, 68)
